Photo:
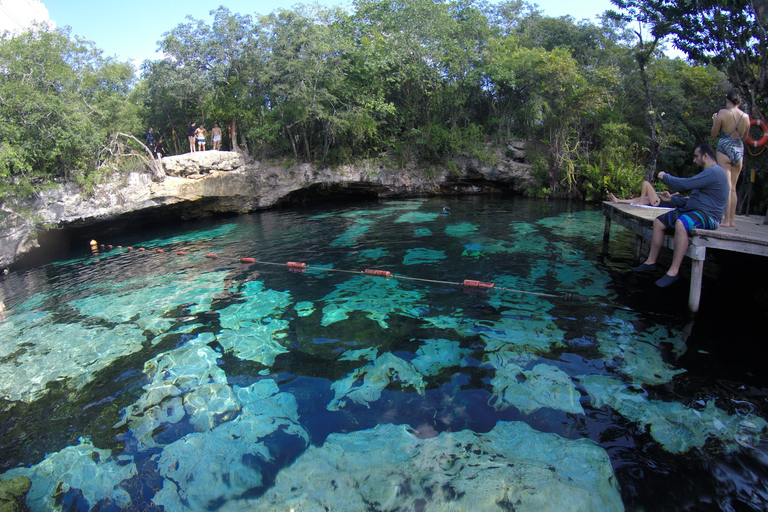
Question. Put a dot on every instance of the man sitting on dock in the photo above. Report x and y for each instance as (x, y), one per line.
(702, 210)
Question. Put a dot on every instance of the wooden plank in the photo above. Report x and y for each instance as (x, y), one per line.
(749, 237)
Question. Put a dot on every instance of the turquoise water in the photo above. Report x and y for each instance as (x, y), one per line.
(145, 380)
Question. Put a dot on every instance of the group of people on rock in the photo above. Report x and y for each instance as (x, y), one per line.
(712, 200)
(197, 137)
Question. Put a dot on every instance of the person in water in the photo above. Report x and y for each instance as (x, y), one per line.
(731, 125)
(702, 210)
(649, 197)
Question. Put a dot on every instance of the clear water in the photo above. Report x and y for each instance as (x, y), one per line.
(148, 380)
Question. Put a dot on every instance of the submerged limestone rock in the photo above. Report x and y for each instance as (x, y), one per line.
(387, 468)
(205, 468)
(376, 376)
(94, 472)
(184, 382)
(676, 427)
(530, 390)
(12, 493)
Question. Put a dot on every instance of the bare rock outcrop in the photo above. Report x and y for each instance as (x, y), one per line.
(201, 183)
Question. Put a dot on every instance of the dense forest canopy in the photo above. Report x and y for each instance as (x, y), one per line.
(412, 82)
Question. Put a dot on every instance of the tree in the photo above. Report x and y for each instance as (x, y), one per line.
(730, 35)
(60, 103)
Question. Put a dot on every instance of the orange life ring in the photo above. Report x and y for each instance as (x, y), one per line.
(761, 142)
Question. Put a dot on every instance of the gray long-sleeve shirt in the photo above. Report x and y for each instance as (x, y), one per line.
(709, 191)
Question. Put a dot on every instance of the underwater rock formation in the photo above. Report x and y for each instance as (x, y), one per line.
(512, 467)
(204, 468)
(92, 471)
(12, 494)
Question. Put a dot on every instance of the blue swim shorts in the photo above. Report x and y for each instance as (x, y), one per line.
(690, 220)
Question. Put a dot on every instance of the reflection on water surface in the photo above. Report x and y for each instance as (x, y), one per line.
(148, 380)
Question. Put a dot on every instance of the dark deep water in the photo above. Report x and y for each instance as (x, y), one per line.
(140, 380)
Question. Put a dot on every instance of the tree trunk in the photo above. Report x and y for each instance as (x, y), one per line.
(643, 54)
(233, 135)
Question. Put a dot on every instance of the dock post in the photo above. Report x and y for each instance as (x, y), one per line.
(697, 255)
(606, 233)
(694, 297)
(638, 247)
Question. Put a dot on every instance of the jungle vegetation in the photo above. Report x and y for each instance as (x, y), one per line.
(412, 82)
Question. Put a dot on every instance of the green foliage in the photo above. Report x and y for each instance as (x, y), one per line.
(414, 83)
(60, 101)
(615, 168)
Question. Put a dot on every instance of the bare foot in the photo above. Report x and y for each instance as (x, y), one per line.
(614, 199)
(726, 226)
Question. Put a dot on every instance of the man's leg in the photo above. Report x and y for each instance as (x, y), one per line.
(679, 246)
(657, 240)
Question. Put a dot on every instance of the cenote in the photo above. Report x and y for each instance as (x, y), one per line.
(145, 380)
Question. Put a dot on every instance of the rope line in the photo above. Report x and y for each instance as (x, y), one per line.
(302, 267)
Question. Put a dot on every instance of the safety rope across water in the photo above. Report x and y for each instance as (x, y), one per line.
(301, 266)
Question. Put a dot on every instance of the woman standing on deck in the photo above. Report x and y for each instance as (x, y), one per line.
(731, 125)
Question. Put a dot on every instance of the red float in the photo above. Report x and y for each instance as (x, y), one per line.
(478, 284)
(382, 273)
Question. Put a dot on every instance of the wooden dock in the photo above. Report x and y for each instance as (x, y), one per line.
(750, 236)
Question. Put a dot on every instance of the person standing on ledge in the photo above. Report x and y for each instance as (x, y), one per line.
(150, 140)
(191, 136)
(731, 125)
(216, 135)
(703, 210)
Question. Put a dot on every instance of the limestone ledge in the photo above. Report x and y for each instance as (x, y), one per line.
(221, 181)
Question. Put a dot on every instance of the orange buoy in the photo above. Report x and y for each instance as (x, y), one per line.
(141, 248)
(760, 142)
(129, 248)
(109, 246)
(478, 284)
(180, 253)
(382, 273)
(296, 264)
(159, 250)
(119, 246)
(247, 260)
(94, 243)
(211, 256)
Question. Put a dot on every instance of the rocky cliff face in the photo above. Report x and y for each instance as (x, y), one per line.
(203, 183)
